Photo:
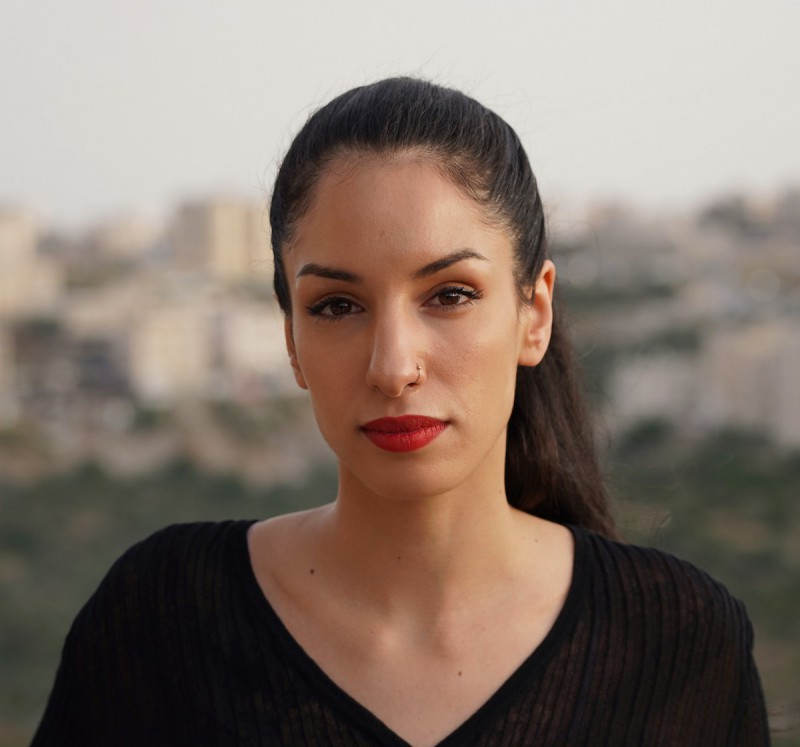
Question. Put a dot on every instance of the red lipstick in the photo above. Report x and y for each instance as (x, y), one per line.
(406, 433)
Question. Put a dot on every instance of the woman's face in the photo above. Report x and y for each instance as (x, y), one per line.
(404, 304)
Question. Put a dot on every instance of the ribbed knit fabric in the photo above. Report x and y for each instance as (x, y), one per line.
(178, 646)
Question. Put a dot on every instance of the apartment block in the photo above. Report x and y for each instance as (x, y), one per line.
(253, 348)
(663, 385)
(749, 379)
(29, 284)
(9, 404)
(125, 239)
(171, 353)
(226, 239)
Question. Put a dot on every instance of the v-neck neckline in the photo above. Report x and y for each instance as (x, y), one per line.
(532, 666)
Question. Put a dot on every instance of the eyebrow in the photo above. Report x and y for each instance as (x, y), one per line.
(312, 268)
(449, 259)
(333, 273)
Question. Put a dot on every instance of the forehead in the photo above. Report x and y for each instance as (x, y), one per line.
(397, 202)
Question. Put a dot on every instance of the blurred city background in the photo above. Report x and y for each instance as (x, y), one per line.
(143, 376)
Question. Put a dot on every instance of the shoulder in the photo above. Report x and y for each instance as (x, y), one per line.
(178, 546)
(672, 637)
(173, 567)
(143, 639)
(654, 586)
(186, 540)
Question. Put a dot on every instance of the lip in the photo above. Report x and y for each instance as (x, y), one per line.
(405, 433)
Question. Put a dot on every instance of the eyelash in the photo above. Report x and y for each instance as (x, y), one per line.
(316, 309)
(471, 295)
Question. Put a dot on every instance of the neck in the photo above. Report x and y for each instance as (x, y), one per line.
(422, 556)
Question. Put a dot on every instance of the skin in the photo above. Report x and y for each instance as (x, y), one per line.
(419, 591)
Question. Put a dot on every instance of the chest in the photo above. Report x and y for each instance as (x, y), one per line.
(423, 687)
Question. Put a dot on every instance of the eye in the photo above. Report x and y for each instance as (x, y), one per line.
(334, 308)
(454, 296)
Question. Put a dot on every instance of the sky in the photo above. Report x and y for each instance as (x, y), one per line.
(111, 107)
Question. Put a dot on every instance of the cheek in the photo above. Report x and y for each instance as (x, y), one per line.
(332, 369)
(483, 367)
(318, 354)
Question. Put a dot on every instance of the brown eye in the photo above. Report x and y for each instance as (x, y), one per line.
(340, 307)
(454, 296)
(334, 308)
(450, 298)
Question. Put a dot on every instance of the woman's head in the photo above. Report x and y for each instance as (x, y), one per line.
(476, 149)
(550, 465)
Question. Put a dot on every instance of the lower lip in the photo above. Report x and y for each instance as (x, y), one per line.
(403, 434)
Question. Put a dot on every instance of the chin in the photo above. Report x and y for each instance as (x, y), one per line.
(405, 481)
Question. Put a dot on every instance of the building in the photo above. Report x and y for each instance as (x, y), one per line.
(171, 356)
(225, 239)
(126, 239)
(744, 377)
(29, 285)
(9, 404)
(108, 311)
(661, 386)
(748, 376)
(252, 346)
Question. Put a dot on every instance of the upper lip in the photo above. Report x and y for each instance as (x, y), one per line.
(402, 424)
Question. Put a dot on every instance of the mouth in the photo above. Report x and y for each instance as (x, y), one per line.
(406, 433)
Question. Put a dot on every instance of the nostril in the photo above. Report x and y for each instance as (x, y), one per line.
(394, 380)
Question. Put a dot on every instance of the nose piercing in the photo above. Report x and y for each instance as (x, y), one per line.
(419, 373)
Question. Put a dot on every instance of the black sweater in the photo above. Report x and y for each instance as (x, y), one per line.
(178, 646)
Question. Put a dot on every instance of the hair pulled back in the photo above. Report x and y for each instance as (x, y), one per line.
(551, 465)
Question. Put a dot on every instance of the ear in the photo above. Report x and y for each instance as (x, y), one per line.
(538, 318)
(298, 374)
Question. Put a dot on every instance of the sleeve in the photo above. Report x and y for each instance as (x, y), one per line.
(709, 693)
(106, 690)
(729, 706)
(753, 726)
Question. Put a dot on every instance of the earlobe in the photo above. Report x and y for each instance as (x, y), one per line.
(290, 348)
(538, 318)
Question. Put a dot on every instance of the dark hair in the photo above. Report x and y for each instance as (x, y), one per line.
(551, 464)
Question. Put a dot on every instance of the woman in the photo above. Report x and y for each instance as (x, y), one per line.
(465, 586)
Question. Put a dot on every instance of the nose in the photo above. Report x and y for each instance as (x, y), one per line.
(395, 363)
